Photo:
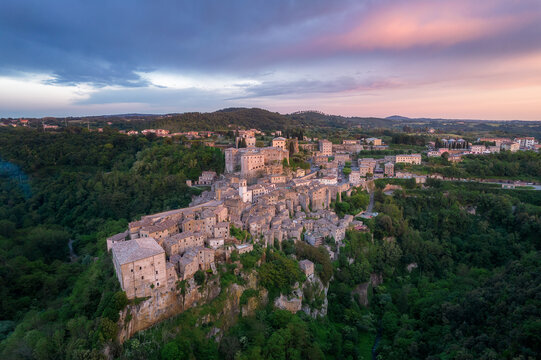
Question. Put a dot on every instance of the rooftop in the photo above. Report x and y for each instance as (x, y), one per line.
(133, 250)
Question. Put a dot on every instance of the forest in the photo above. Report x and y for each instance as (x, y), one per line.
(521, 165)
(82, 186)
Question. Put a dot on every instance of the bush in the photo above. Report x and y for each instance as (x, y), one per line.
(248, 293)
(199, 277)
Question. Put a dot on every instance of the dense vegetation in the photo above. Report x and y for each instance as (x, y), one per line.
(476, 284)
(82, 186)
(353, 204)
(525, 165)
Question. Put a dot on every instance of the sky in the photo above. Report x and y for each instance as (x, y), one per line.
(417, 58)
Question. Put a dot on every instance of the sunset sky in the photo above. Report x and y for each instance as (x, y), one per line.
(416, 58)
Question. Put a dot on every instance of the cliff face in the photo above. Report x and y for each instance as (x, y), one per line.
(310, 297)
(166, 303)
(315, 301)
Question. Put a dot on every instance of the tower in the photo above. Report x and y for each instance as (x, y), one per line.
(245, 195)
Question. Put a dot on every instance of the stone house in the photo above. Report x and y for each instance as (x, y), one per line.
(179, 243)
(221, 230)
(279, 142)
(192, 225)
(307, 267)
(117, 238)
(159, 230)
(140, 266)
(409, 159)
(215, 243)
(207, 178)
(325, 147)
(244, 248)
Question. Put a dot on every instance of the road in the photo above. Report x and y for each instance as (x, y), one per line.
(371, 203)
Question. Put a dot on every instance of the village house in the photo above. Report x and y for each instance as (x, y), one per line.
(389, 169)
(325, 147)
(140, 266)
(207, 178)
(123, 236)
(279, 142)
(307, 267)
(244, 248)
(409, 159)
(374, 141)
(367, 162)
(365, 170)
(159, 230)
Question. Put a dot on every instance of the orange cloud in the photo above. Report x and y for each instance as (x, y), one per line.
(424, 23)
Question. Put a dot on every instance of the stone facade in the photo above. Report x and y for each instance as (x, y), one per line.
(409, 159)
(279, 142)
(325, 147)
(389, 169)
(252, 161)
(140, 266)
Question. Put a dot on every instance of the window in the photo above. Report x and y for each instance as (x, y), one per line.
(156, 273)
(140, 268)
(142, 277)
(157, 284)
(131, 270)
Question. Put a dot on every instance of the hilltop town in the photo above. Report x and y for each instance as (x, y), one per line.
(263, 197)
(219, 231)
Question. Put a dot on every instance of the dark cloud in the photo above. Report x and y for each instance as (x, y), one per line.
(306, 86)
(107, 42)
(176, 100)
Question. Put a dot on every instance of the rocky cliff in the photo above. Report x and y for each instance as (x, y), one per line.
(166, 303)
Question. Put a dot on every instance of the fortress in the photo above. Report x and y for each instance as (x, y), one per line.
(253, 161)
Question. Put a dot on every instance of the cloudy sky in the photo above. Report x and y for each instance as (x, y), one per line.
(439, 58)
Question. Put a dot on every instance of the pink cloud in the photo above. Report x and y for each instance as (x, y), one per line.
(403, 25)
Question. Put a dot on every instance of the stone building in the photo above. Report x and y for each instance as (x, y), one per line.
(325, 147)
(409, 159)
(354, 177)
(374, 141)
(369, 162)
(341, 159)
(250, 164)
(389, 169)
(365, 170)
(278, 179)
(159, 230)
(199, 258)
(207, 178)
(310, 148)
(249, 140)
(244, 248)
(279, 142)
(307, 267)
(320, 198)
(251, 161)
(179, 243)
(140, 266)
(123, 236)
(221, 230)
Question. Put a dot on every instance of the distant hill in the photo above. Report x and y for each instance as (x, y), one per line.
(397, 117)
(247, 118)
